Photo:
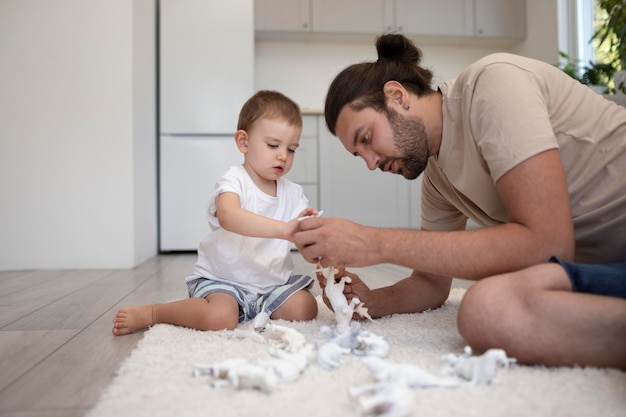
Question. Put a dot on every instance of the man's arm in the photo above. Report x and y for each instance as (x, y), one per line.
(414, 294)
(540, 225)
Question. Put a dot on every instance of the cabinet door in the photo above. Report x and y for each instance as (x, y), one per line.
(352, 16)
(349, 190)
(206, 64)
(190, 167)
(282, 15)
(500, 18)
(435, 18)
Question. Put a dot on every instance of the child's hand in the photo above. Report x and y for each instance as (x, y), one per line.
(292, 226)
(309, 212)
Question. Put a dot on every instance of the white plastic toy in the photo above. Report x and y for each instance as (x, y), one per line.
(407, 374)
(283, 337)
(239, 374)
(476, 369)
(329, 355)
(343, 310)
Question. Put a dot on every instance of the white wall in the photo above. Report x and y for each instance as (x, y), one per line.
(303, 70)
(77, 136)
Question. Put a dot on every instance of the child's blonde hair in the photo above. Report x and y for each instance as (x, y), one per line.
(270, 105)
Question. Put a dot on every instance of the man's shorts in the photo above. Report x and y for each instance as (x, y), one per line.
(250, 304)
(600, 279)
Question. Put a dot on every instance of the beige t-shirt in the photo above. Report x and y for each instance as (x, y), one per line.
(504, 109)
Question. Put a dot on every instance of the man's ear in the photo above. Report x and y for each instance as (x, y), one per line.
(241, 139)
(396, 95)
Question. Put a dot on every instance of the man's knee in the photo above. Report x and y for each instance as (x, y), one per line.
(485, 315)
(472, 316)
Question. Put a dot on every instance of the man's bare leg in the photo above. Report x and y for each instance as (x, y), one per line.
(215, 312)
(534, 315)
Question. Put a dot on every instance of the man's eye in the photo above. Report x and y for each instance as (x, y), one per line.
(366, 138)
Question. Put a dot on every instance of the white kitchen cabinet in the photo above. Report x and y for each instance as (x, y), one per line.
(206, 64)
(352, 16)
(454, 19)
(190, 167)
(349, 190)
(282, 15)
(500, 18)
(435, 18)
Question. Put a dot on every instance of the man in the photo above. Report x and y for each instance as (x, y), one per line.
(534, 157)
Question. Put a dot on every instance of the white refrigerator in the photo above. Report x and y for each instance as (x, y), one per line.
(206, 73)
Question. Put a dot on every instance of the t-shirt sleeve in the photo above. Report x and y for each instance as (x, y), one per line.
(438, 214)
(509, 117)
(226, 183)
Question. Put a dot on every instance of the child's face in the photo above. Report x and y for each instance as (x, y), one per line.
(269, 148)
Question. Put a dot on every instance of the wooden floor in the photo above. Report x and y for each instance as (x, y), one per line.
(57, 352)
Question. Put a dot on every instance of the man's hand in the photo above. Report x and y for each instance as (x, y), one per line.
(355, 288)
(337, 242)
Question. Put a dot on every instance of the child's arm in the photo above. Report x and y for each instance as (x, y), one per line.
(237, 220)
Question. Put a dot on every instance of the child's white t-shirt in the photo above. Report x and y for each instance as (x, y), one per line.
(256, 265)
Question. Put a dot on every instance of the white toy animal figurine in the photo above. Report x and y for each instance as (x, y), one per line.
(288, 366)
(283, 337)
(261, 320)
(411, 375)
(370, 344)
(343, 310)
(217, 370)
(476, 369)
(329, 355)
(240, 374)
(253, 376)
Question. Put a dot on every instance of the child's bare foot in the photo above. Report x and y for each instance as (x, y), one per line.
(130, 319)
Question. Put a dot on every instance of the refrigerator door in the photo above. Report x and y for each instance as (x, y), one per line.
(206, 64)
(190, 166)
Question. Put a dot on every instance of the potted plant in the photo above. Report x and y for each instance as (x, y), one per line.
(612, 33)
(597, 75)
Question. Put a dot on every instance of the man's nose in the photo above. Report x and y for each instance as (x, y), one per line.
(371, 160)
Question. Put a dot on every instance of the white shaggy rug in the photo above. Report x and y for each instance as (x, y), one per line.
(156, 379)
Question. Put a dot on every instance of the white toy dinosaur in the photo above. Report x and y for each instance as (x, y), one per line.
(343, 310)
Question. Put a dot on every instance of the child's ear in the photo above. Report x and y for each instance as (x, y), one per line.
(241, 139)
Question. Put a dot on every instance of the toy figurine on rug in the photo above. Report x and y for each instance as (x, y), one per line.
(343, 310)
(476, 369)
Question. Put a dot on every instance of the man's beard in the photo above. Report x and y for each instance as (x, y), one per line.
(411, 142)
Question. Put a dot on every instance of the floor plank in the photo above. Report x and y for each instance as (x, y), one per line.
(21, 351)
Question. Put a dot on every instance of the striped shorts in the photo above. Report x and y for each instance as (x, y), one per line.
(249, 304)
